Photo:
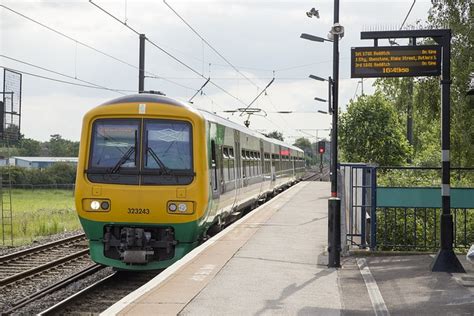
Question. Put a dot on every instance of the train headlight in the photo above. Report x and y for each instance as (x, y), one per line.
(182, 207)
(172, 207)
(95, 205)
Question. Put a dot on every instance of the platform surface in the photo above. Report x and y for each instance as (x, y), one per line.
(273, 262)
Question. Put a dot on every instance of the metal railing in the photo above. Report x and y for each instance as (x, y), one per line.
(381, 212)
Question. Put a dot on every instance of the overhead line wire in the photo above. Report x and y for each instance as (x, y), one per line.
(408, 14)
(68, 37)
(89, 46)
(64, 75)
(208, 44)
(63, 81)
(169, 54)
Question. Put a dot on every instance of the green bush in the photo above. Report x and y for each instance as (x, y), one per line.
(59, 173)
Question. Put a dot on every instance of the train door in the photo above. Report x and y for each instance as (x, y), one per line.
(262, 166)
(220, 163)
(238, 160)
(214, 170)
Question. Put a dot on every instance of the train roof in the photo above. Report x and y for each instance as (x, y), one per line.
(147, 97)
(156, 98)
(223, 121)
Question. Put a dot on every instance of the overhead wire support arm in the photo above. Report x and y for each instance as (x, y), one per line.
(253, 101)
(200, 90)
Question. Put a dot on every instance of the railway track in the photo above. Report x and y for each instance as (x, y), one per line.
(16, 264)
(317, 176)
(27, 273)
(101, 295)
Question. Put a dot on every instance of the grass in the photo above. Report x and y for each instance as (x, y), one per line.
(38, 213)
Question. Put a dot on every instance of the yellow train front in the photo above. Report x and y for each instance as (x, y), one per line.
(154, 175)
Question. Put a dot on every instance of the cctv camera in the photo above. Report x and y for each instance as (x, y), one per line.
(337, 29)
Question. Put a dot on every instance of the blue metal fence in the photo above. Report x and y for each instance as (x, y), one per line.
(382, 215)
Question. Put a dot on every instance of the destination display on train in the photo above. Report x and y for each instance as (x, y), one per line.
(395, 61)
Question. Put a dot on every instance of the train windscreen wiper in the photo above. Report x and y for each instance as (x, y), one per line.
(165, 170)
(123, 159)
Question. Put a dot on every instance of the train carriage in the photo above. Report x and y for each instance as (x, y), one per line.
(155, 176)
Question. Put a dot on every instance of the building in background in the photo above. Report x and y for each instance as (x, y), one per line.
(40, 162)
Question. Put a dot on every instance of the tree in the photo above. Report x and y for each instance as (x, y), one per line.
(305, 145)
(59, 147)
(370, 132)
(29, 147)
(458, 16)
(275, 135)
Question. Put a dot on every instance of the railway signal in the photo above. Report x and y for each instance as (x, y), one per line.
(321, 147)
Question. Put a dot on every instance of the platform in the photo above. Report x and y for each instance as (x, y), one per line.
(273, 262)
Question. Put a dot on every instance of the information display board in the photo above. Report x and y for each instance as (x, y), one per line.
(395, 61)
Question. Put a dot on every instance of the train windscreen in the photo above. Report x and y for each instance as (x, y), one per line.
(165, 147)
(167, 152)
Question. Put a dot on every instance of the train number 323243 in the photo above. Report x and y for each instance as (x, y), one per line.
(145, 211)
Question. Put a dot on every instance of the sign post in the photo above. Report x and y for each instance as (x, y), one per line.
(402, 61)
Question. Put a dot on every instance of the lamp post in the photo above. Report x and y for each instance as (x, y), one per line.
(334, 203)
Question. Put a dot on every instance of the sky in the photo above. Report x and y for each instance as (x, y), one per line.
(259, 39)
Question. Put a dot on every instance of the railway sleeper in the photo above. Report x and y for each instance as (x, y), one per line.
(139, 245)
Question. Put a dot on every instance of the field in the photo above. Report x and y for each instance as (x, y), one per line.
(39, 213)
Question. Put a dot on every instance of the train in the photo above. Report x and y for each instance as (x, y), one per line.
(156, 176)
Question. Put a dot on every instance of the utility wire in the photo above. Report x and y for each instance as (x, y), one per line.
(62, 74)
(408, 14)
(67, 36)
(89, 46)
(169, 54)
(65, 82)
(208, 44)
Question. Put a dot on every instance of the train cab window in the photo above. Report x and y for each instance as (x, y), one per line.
(167, 152)
(114, 150)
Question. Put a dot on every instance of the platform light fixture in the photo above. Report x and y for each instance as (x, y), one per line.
(314, 38)
(317, 78)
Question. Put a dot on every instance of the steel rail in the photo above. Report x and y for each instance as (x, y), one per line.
(39, 248)
(69, 299)
(54, 287)
(43, 267)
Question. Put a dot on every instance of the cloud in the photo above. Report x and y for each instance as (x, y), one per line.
(259, 36)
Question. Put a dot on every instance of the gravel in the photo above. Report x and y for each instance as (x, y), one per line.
(39, 241)
(56, 297)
